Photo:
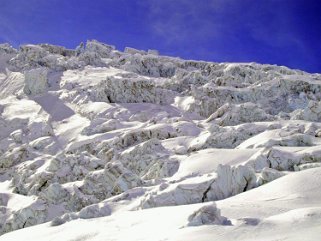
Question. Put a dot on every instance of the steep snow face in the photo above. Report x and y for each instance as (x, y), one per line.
(138, 137)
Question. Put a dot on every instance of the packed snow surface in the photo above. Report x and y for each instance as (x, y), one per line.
(99, 144)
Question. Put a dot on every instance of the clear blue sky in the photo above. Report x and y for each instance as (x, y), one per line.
(284, 32)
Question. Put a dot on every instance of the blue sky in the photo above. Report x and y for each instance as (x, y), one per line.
(283, 32)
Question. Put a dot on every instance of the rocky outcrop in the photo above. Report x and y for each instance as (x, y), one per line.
(114, 90)
(229, 114)
(207, 215)
(36, 81)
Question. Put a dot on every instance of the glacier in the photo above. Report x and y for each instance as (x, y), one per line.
(102, 144)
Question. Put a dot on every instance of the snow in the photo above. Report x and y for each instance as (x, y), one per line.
(285, 217)
(206, 161)
(99, 144)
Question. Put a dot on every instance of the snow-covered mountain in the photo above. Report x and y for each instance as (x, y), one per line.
(98, 144)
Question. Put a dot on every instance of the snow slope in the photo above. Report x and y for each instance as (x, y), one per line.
(99, 144)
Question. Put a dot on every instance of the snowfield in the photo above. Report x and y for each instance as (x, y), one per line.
(98, 144)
